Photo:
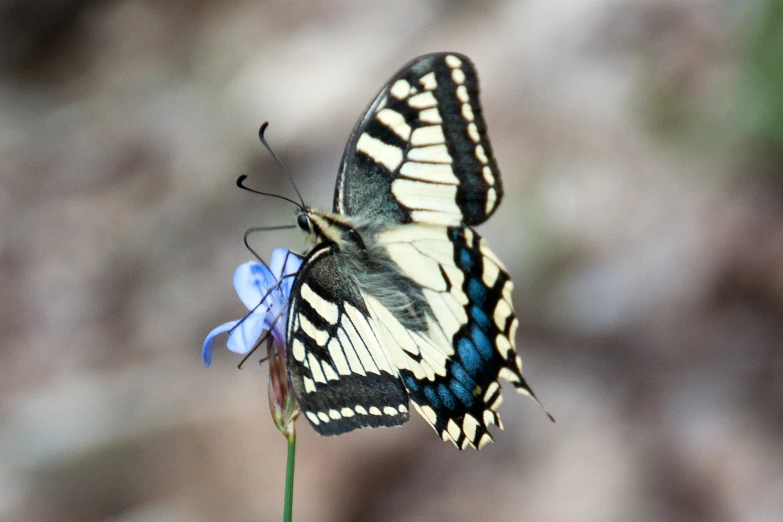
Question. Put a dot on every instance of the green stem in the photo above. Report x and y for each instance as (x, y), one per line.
(288, 506)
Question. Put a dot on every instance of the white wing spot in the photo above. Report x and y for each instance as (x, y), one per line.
(403, 409)
(396, 122)
(473, 132)
(347, 412)
(313, 418)
(356, 340)
(426, 196)
(502, 313)
(380, 152)
(325, 309)
(335, 414)
(436, 218)
(429, 414)
(508, 287)
(489, 272)
(323, 416)
(374, 411)
(467, 112)
(338, 357)
(462, 94)
(360, 410)
(469, 425)
(459, 297)
(429, 82)
(350, 353)
(400, 89)
(508, 375)
(512, 334)
(491, 199)
(435, 172)
(430, 135)
(319, 336)
(424, 100)
(430, 115)
(453, 62)
(481, 155)
(488, 177)
(388, 410)
(488, 417)
(315, 368)
(370, 339)
(298, 350)
(502, 345)
(458, 76)
(453, 429)
(491, 389)
(331, 375)
(309, 385)
(430, 154)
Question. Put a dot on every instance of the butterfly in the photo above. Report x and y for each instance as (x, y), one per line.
(400, 302)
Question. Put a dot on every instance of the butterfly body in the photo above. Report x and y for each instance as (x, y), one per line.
(400, 301)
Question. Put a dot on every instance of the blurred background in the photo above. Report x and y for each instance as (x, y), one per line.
(641, 144)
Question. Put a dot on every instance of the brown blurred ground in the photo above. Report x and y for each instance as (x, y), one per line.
(643, 224)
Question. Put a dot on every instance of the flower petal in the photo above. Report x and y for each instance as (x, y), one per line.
(209, 342)
(252, 280)
(246, 335)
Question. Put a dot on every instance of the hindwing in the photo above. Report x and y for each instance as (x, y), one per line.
(421, 153)
(473, 327)
(339, 371)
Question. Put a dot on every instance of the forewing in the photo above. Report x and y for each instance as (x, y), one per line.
(470, 342)
(421, 153)
(340, 375)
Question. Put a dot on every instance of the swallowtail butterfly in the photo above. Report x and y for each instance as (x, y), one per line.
(400, 301)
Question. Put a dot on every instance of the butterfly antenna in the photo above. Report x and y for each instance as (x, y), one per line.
(241, 184)
(279, 161)
(254, 230)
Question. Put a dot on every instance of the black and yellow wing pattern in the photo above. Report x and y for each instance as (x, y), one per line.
(400, 301)
(421, 152)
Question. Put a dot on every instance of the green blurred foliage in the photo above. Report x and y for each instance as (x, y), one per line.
(761, 75)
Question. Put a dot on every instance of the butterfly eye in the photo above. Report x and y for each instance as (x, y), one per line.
(303, 222)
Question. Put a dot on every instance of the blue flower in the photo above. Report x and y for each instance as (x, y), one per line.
(253, 282)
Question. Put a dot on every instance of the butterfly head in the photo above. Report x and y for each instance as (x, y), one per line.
(327, 227)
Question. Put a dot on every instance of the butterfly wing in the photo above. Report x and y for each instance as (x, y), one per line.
(339, 372)
(417, 171)
(421, 153)
(471, 336)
